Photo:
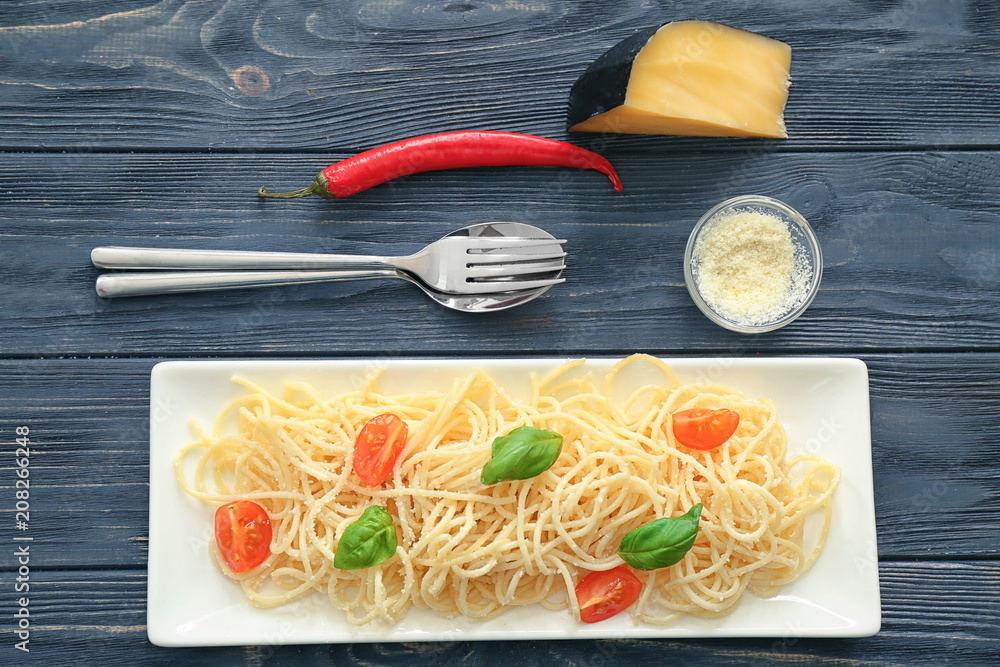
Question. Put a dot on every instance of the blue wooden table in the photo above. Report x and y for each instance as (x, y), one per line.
(135, 123)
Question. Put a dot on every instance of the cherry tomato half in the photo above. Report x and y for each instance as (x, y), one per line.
(701, 428)
(603, 594)
(243, 534)
(379, 444)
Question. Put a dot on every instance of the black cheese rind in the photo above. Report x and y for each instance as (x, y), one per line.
(602, 87)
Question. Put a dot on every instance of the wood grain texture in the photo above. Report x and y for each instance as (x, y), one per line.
(314, 75)
(911, 258)
(936, 482)
(953, 608)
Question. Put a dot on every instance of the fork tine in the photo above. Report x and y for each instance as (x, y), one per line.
(494, 258)
(489, 242)
(483, 272)
(497, 286)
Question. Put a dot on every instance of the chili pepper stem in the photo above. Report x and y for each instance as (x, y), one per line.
(304, 192)
(318, 187)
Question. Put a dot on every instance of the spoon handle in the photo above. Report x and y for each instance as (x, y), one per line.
(113, 285)
(116, 257)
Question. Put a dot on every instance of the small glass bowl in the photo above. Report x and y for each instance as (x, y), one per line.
(803, 240)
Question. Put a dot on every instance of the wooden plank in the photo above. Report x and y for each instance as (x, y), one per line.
(936, 482)
(302, 75)
(916, 403)
(911, 266)
(933, 613)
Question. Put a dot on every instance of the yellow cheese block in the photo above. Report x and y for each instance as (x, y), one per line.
(688, 77)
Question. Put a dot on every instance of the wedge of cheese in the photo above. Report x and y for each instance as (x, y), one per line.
(687, 77)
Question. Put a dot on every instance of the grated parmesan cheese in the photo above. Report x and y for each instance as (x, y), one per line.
(747, 268)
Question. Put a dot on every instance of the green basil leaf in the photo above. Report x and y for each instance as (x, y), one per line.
(660, 543)
(525, 452)
(368, 541)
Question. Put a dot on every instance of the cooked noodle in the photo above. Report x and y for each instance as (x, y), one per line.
(477, 551)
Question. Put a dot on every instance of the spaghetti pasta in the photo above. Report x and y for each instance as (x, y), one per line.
(473, 550)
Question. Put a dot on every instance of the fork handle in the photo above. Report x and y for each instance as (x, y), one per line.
(117, 257)
(113, 285)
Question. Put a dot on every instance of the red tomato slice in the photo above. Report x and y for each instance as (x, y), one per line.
(701, 428)
(243, 534)
(379, 444)
(603, 594)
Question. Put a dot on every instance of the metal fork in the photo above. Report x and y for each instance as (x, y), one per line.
(483, 259)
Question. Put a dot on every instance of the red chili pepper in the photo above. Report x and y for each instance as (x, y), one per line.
(449, 150)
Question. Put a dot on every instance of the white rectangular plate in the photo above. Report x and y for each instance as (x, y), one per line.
(823, 404)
